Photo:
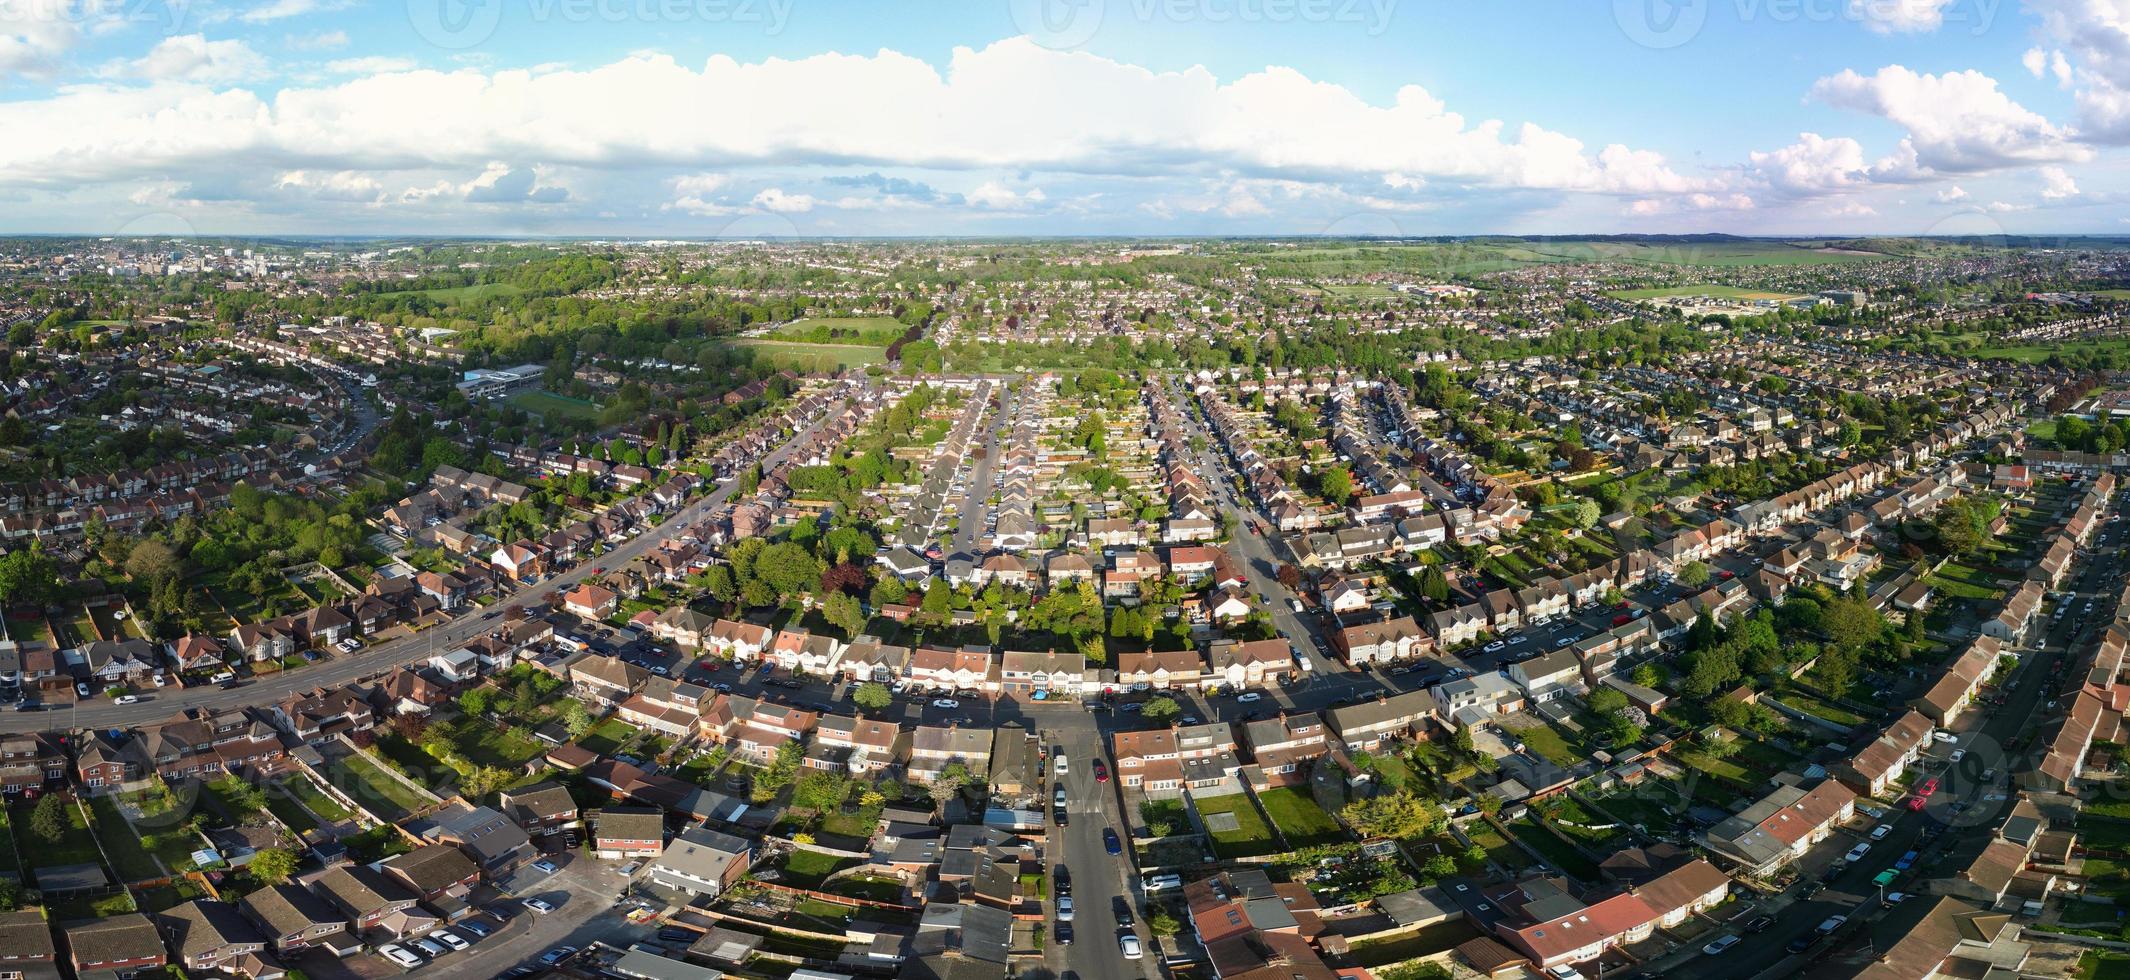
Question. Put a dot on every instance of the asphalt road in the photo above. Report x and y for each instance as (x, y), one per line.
(580, 892)
(1099, 881)
(970, 513)
(102, 713)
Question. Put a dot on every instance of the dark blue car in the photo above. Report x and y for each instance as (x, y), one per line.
(1905, 862)
(1110, 841)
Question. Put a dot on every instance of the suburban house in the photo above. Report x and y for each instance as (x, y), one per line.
(701, 862)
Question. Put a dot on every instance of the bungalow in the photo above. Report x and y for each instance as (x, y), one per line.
(589, 601)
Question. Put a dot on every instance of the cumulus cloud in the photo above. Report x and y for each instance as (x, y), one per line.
(1852, 209)
(2096, 33)
(777, 200)
(343, 185)
(192, 58)
(1950, 195)
(1012, 105)
(1899, 16)
(2056, 184)
(998, 197)
(899, 188)
(1812, 165)
(369, 65)
(35, 34)
(274, 10)
(1690, 203)
(322, 41)
(1957, 122)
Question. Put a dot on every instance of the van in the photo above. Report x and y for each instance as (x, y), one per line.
(224, 677)
(1162, 882)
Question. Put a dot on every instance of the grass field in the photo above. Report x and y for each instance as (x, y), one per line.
(547, 404)
(607, 737)
(2100, 965)
(1250, 837)
(1299, 819)
(378, 793)
(2037, 353)
(808, 869)
(469, 294)
(815, 357)
(1560, 853)
(1360, 291)
(1497, 847)
(1718, 254)
(313, 798)
(842, 331)
(76, 846)
(130, 853)
(503, 748)
(1717, 292)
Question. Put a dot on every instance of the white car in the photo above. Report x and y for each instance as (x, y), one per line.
(1249, 697)
(1721, 945)
(1064, 765)
(948, 704)
(1945, 736)
(1129, 944)
(1064, 908)
(399, 955)
(452, 940)
(540, 905)
(1565, 972)
(1879, 832)
(1857, 853)
(1495, 647)
(125, 699)
(1957, 755)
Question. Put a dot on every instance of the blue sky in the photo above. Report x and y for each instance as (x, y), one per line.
(646, 118)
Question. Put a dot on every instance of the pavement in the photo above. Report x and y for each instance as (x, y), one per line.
(374, 660)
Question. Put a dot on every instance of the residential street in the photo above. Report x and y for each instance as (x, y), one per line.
(374, 660)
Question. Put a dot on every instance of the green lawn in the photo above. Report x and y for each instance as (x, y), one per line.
(130, 853)
(1299, 819)
(502, 748)
(1497, 847)
(860, 331)
(9, 862)
(873, 887)
(1165, 811)
(814, 357)
(1558, 852)
(547, 404)
(383, 796)
(308, 793)
(1653, 808)
(2103, 965)
(1549, 743)
(76, 846)
(607, 737)
(1250, 837)
(808, 869)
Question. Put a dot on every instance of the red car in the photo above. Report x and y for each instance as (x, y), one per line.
(1101, 772)
(1929, 786)
(1915, 803)
(1622, 619)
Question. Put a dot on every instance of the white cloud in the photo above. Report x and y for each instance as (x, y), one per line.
(341, 185)
(192, 58)
(1690, 203)
(2096, 33)
(35, 34)
(369, 65)
(775, 199)
(1899, 16)
(2060, 67)
(1852, 209)
(2056, 184)
(2001, 207)
(274, 10)
(322, 41)
(497, 183)
(1012, 105)
(1957, 122)
(1950, 195)
(2036, 61)
(1812, 165)
(998, 197)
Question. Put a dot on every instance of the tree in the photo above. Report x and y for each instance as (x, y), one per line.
(273, 865)
(779, 774)
(821, 790)
(1290, 577)
(1162, 709)
(1438, 866)
(948, 783)
(1400, 815)
(872, 696)
(1161, 922)
(576, 718)
(1336, 485)
(844, 613)
(1694, 574)
(1434, 585)
(28, 577)
(153, 562)
(49, 820)
(477, 702)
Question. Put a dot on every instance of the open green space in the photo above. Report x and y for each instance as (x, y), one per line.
(76, 846)
(547, 404)
(808, 869)
(1299, 819)
(607, 737)
(383, 796)
(468, 294)
(813, 357)
(842, 331)
(1558, 852)
(1250, 838)
(503, 748)
(1717, 292)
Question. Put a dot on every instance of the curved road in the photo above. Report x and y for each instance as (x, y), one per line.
(100, 713)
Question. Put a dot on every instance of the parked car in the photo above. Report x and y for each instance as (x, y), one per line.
(1857, 853)
(1760, 924)
(1249, 697)
(1879, 832)
(451, 939)
(1110, 842)
(545, 867)
(429, 947)
(1833, 922)
(1064, 908)
(1063, 933)
(557, 955)
(1128, 943)
(474, 928)
(540, 905)
(1101, 772)
(945, 704)
(1721, 945)
(125, 699)
(399, 955)
(1802, 943)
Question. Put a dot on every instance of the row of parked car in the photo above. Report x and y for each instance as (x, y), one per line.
(413, 953)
